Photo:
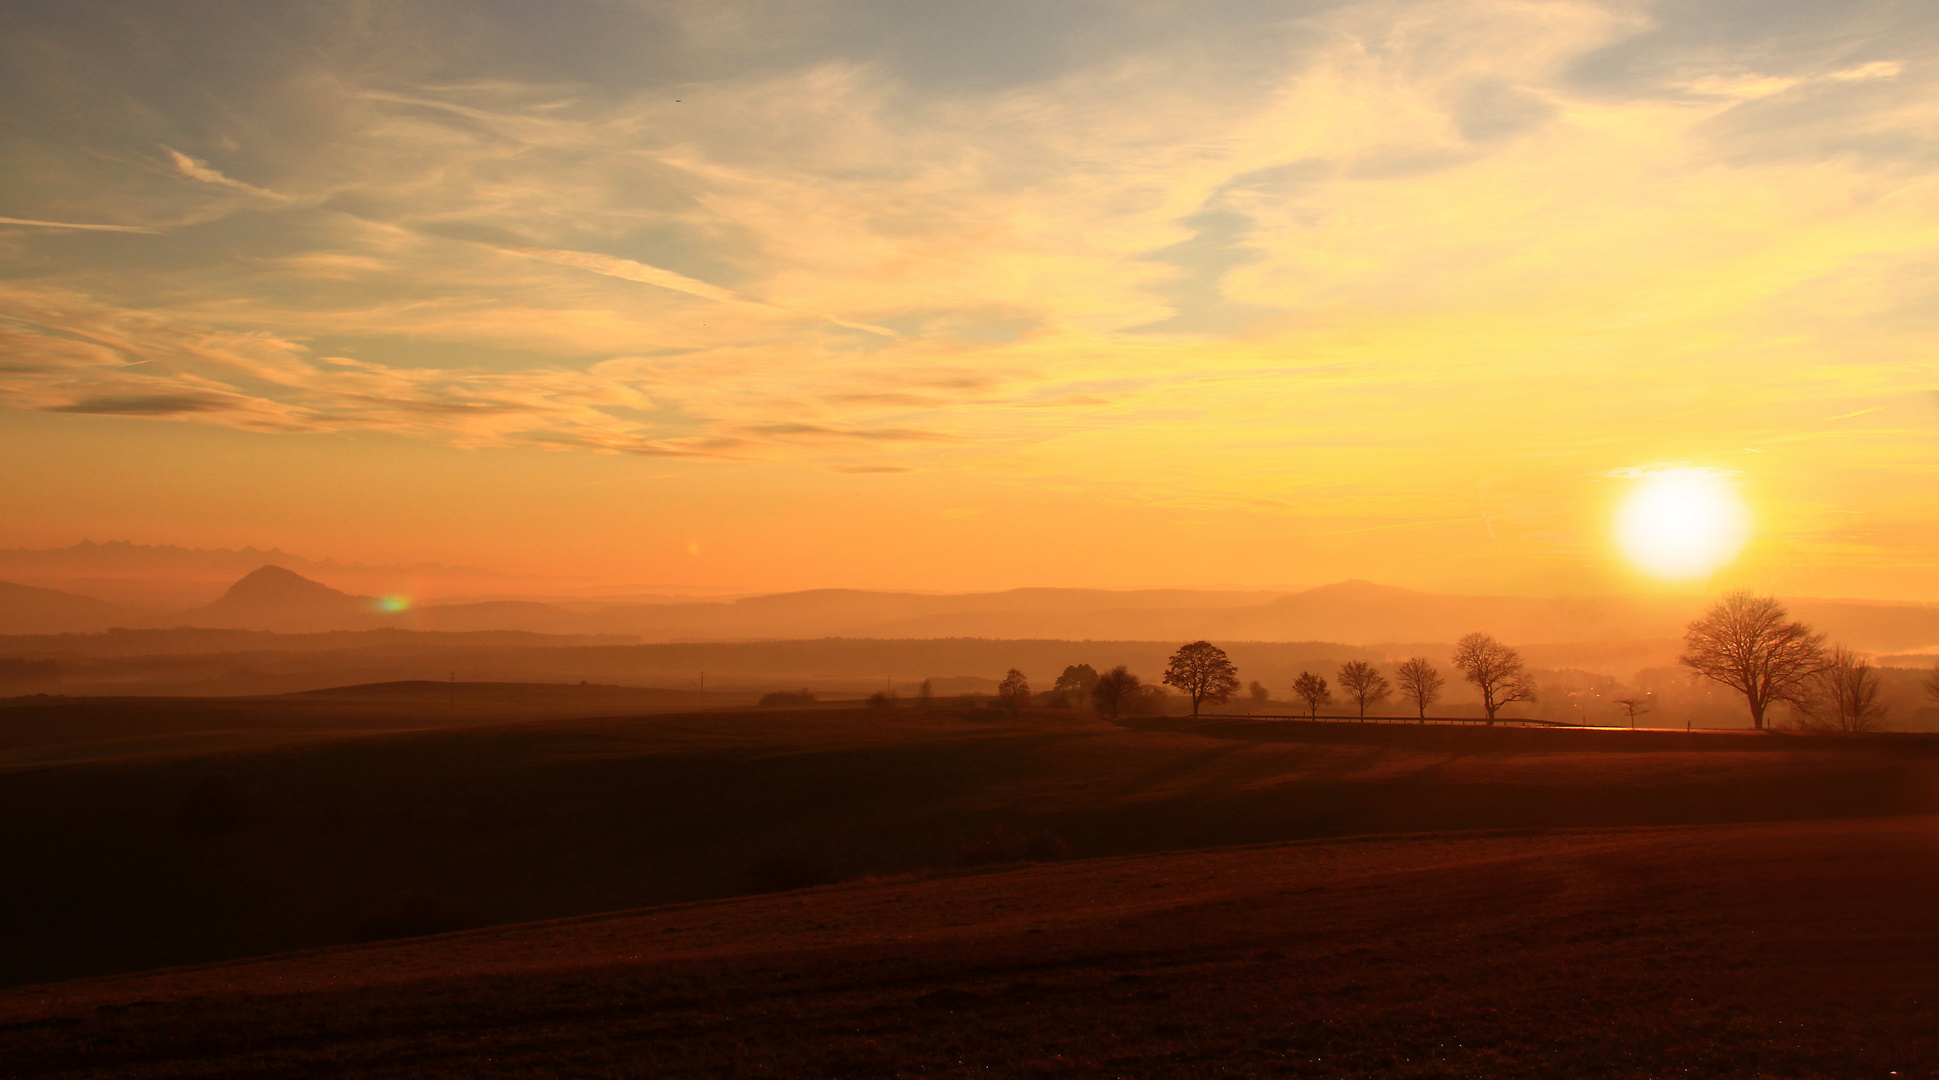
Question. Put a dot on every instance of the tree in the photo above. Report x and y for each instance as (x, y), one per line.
(1419, 683)
(1932, 684)
(1112, 688)
(1311, 689)
(1203, 672)
(1634, 707)
(1014, 690)
(1077, 681)
(1495, 670)
(1845, 697)
(1258, 692)
(1364, 684)
(924, 695)
(1746, 643)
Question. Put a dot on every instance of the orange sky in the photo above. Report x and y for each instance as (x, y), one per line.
(799, 295)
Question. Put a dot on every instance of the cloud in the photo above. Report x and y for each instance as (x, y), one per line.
(150, 405)
(1386, 247)
(77, 225)
(628, 270)
(200, 170)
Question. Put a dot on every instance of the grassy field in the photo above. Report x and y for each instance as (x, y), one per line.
(188, 855)
(1792, 949)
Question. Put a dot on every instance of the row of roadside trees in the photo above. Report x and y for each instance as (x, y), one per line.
(1744, 641)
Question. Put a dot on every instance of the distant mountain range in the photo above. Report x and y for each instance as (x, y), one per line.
(164, 577)
(273, 597)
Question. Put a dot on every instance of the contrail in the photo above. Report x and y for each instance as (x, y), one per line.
(76, 225)
(613, 266)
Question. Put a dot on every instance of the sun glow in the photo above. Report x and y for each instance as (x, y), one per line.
(1682, 523)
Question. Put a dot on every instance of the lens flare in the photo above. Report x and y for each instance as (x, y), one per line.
(393, 604)
(1682, 524)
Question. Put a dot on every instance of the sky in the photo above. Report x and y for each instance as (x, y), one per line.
(930, 295)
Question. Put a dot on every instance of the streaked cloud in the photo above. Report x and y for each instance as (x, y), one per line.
(1337, 263)
(76, 225)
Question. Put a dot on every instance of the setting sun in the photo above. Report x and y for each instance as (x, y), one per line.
(1682, 523)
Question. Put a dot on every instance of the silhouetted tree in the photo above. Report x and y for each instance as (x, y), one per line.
(1311, 689)
(1496, 670)
(1077, 681)
(1419, 683)
(1014, 691)
(1112, 688)
(1364, 684)
(1634, 707)
(1845, 694)
(1203, 671)
(1258, 692)
(1746, 643)
(1932, 684)
(924, 695)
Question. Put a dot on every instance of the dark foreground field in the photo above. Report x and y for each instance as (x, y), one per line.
(1799, 949)
(232, 840)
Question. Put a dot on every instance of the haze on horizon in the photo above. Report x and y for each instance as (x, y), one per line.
(951, 297)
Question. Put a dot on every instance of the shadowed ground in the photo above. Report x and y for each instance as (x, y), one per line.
(188, 857)
(1797, 949)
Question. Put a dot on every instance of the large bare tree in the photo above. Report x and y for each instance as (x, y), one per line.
(1419, 683)
(1750, 644)
(1932, 684)
(1311, 689)
(1112, 689)
(1203, 671)
(1845, 697)
(1364, 684)
(1014, 690)
(1496, 670)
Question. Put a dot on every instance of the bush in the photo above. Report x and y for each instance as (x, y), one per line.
(1007, 845)
(415, 913)
(216, 805)
(786, 872)
(882, 699)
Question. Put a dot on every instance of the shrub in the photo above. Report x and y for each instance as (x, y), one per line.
(1007, 845)
(787, 871)
(415, 913)
(216, 805)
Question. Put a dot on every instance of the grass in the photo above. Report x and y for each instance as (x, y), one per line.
(1793, 949)
(118, 865)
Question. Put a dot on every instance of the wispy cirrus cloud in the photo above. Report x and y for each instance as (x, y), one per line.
(1336, 261)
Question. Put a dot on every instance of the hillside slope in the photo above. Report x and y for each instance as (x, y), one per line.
(1620, 953)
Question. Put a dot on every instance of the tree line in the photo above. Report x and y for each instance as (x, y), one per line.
(1205, 674)
(1745, 642)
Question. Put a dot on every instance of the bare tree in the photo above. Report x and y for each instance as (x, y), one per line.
(1014, 690)
(1419, 683)
(1634, 707)
(1496, 670)
(1204, 672)
(1364, 684)
(1845, 694)
(1311, 689)
(1932, 684)
(924, 695)
(1746, 643)
(1112, 688)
